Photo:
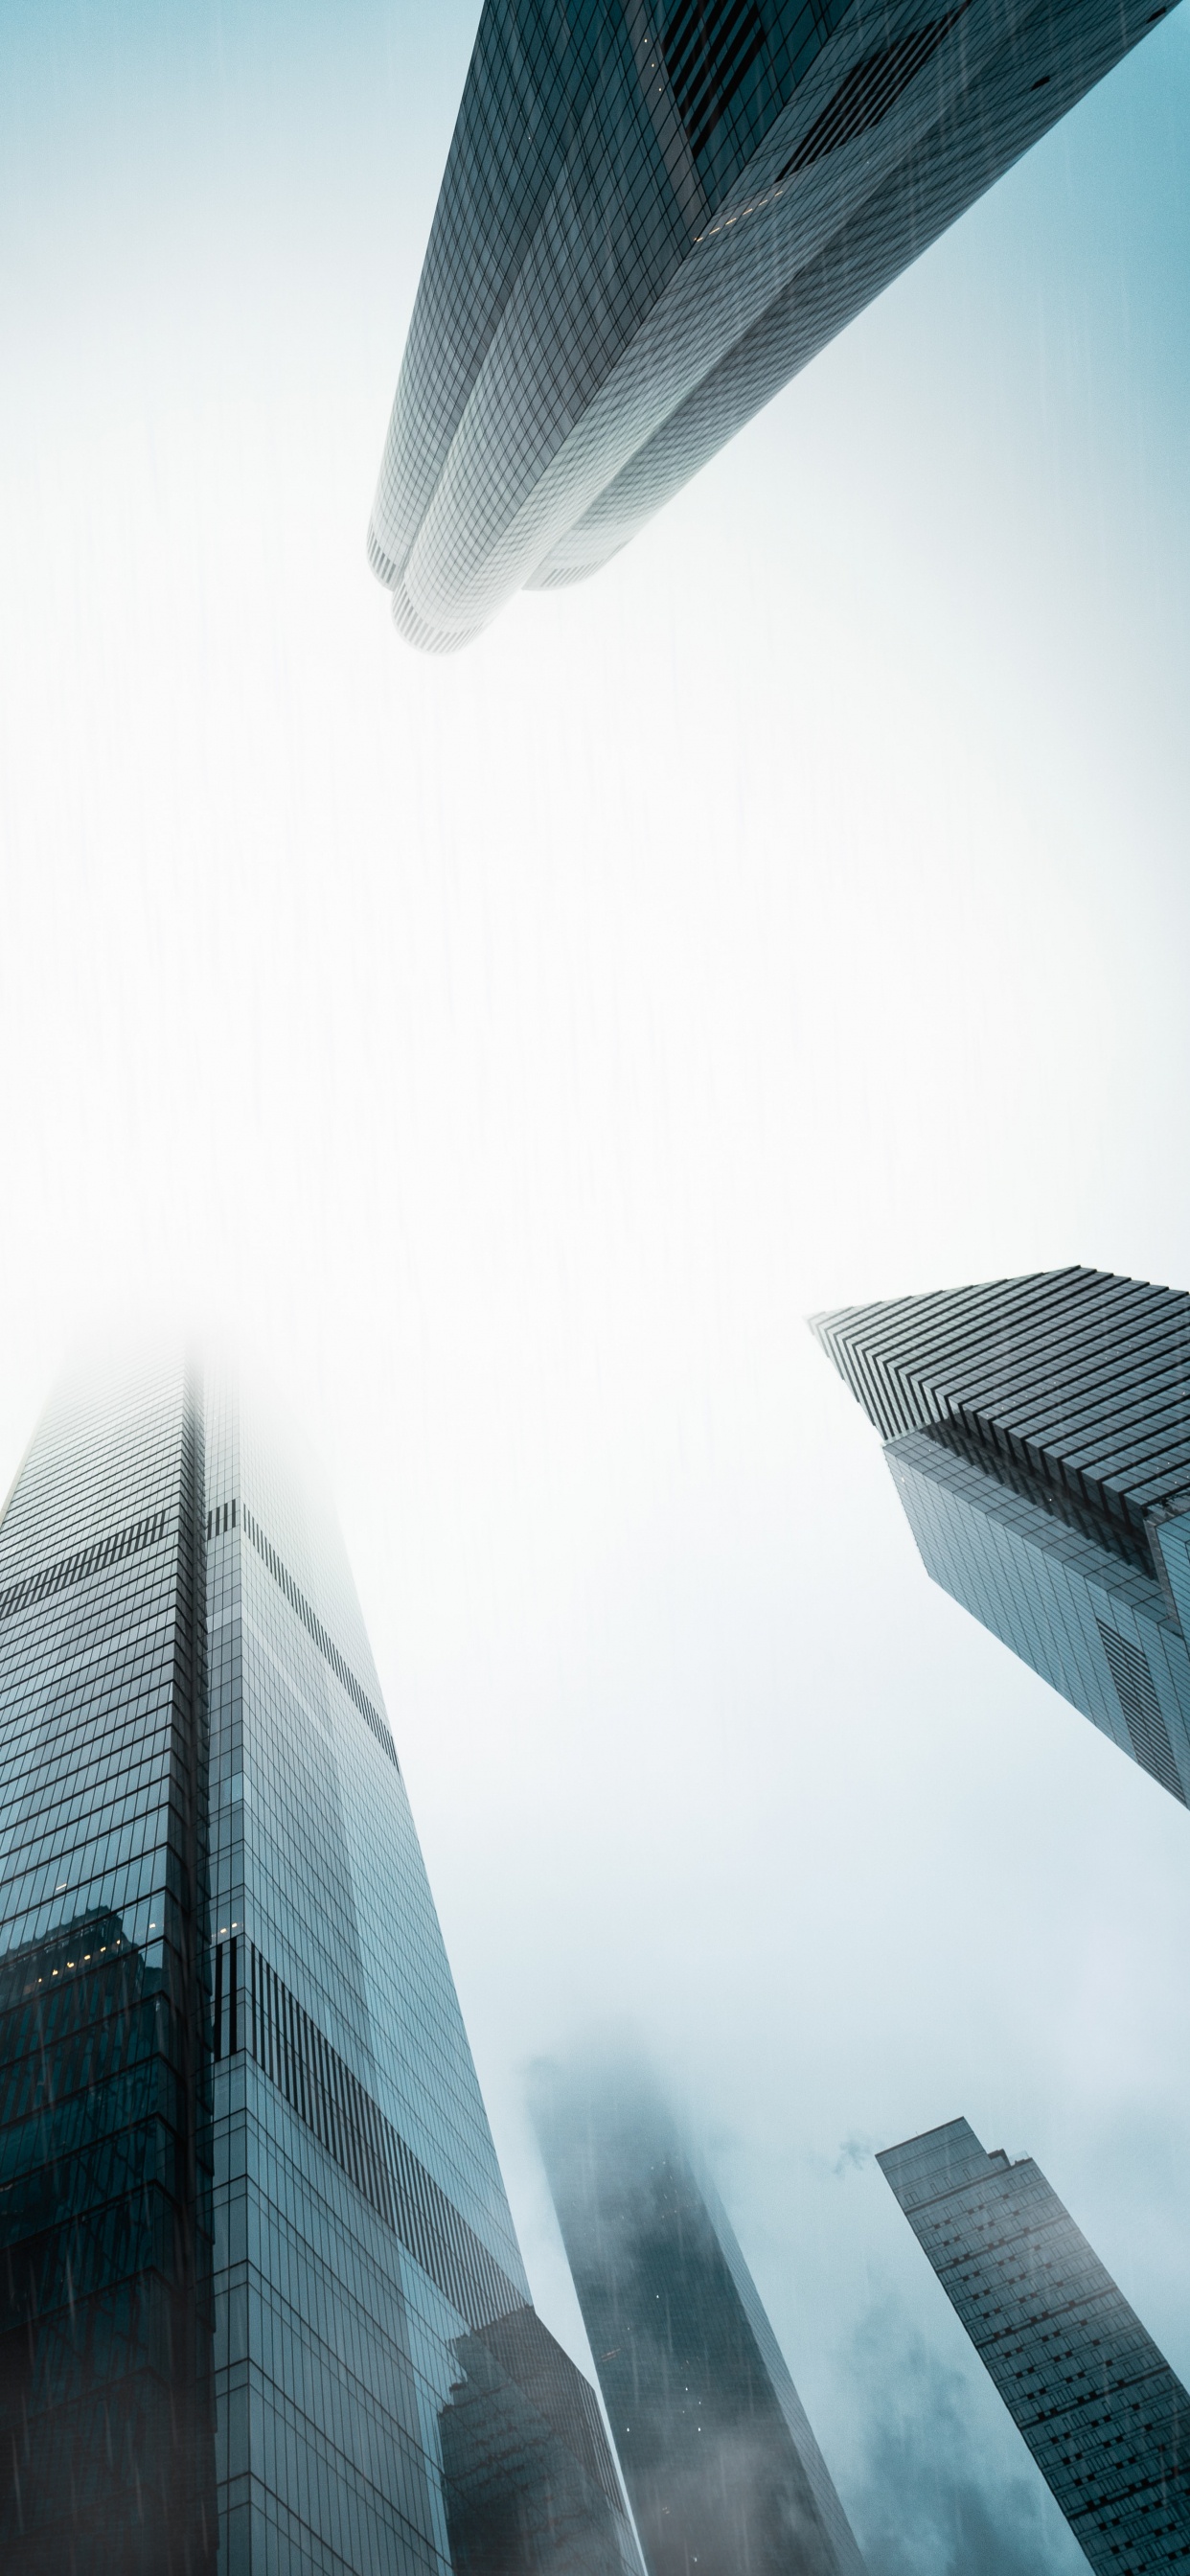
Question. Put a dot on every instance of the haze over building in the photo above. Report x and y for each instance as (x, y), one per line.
(263, 2294)
(652, 217)
(1106, 2420)
(721, 2466)
(1038, 1433)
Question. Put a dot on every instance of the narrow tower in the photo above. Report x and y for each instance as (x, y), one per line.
(1038, 1432)
(719, 2460)
(263, 2290)
(1104, 2417)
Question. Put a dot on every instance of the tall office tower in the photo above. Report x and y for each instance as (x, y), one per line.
(721, 2466)
(654, 213)
(1038, 1431)
(262, 2292)
(106, 2451)
(1103, 2415)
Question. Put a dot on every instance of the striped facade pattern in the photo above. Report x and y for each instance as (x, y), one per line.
(650, 220)
(84, 1561)
(255, 2010)
(1038, 1432)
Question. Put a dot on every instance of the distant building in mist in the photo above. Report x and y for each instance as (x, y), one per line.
(1104, 2416)
(1038, 1432)
(722, 2469)
(261, 2299)
(654, 212)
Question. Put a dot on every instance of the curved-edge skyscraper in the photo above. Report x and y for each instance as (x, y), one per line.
(654, 212)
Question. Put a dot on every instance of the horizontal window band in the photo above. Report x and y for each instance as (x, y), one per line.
(86, 1560)
(325, 1644)
(255, 2014)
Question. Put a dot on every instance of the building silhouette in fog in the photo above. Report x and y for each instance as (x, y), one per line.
(651, 217)
(1038, 1432)
(262, 2300)
(721, 2466)
(1107, 2422)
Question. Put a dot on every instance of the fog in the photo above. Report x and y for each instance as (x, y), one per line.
(515, 1049)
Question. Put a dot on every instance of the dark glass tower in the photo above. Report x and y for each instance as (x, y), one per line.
(654, 213)
(1038, 1431)
(719, 2460)
(106, 2449)
(262, 2288)
(1103, 2415)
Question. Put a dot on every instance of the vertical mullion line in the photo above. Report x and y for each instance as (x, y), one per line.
(377, 2117)
(416, 2228)
(233, 2018)
(357, 2174)
(336, 2083)
(333, 2066)
(332, 2106)
(299, 2060)
(218, 2000)
(319, 2083)
(353, 2116)
(375, 2192)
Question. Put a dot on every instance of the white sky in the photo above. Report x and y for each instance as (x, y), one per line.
(516, 1048)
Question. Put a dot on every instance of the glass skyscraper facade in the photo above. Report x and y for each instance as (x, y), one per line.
(1102, 2412)
(720, 2463)
(654, 212)
(1038, 1432)
(265, 2308)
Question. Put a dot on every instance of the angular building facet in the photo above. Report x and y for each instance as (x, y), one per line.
(1106, 2420)
(263, 2304)
(1038, 1432)
(721, 2466)
(651, 217)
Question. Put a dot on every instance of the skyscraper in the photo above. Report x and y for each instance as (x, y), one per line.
(651, 217)
(1038, 1432)
(721, 2466)
(1104, 2417)
(262, 2289)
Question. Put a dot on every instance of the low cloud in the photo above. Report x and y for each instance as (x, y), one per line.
(934, 2498)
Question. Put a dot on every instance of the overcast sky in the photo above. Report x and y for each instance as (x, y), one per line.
(516, 1048)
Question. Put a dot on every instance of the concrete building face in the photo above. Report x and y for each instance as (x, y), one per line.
(1106, 2420)
(1038, 1432)
(651, 217)
(721, 2466)
(265, 2304)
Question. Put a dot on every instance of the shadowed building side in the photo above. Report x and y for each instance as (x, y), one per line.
(719, 2460)
(107, 2461)
(531, 2487)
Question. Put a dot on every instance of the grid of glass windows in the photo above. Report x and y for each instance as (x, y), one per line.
(718, 2456)
(262, 2306)
(650, 219)
(1038, 1432)
(106, 2457)
(364, 2245)
(1102, 2412)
